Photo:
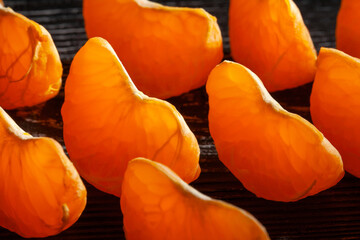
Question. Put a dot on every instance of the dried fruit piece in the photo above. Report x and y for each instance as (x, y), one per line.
(108, 122)
(157, 204)
(335, 104)
(30, 66)
(347, 27)
(41, 193)
(271, 39)
(166, 50)
(275, 154)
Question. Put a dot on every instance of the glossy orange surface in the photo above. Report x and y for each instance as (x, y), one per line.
(157, 204)
(41, 192)
(276, 154)
(166, 50)
(30, 66)
(108, 122)
(270, 38)
(335, 102)
(347, 27)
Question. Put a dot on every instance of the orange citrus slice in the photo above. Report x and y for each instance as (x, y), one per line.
(41, 193)
(108, 122)
(347, 27)
(30, 66)
(335, 102)
(166, 50)
(275, 154)
(270, 38)
(157, 204)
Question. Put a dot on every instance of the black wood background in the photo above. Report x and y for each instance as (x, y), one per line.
(332, 214)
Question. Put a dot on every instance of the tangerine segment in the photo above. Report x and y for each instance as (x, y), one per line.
(271, 39)
(166, 50)
(30, 66)
(157, 204)
(275, 154)
(335, 102)
(108, 122)
(41, 192)
(347, 27)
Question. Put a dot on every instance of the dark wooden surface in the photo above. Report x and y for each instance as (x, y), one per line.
(332, 214)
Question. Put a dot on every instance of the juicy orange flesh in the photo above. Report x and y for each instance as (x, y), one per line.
(335, 101)
(157, 204)
(276, 154)
(108, 122)
(42, 192)
(277, 46)
(30, 67)
(347, 28)
(166, 50)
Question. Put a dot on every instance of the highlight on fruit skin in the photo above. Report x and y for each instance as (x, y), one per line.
(157, 204)
(108, 122)
(274, 153)
(334, 104)
(347, 28)
(30, 66)
(166, 50)
(270, 38)
(41, 193)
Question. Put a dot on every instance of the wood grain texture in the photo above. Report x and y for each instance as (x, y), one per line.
(332, 214)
